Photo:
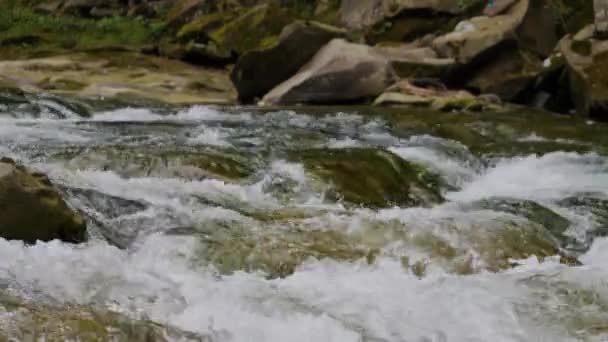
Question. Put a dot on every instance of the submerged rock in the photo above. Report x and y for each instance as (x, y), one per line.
(340, 72)
(276, 252)
(21, 320)
(188, 163)
(31, 209)
(372, 178)
(534, 212)
(258, 71)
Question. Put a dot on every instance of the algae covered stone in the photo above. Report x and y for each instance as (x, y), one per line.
(372, 177)
(31, 209)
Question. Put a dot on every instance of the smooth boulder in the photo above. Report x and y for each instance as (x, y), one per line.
(473, 37)
(340, 72)
(31, 209)
(258, 71)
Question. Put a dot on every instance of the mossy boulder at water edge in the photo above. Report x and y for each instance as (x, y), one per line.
(371, 177)
(32, 209)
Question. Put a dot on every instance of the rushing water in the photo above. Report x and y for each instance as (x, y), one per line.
(157, 212)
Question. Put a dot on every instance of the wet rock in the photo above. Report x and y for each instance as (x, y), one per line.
(258, 71)
(596, 208)
(339, 72)
(31, 209)
(534, 212)
(187, 163)
(372, 178)
(472, 37)
(587, 60)
(28, 321)
(276, 252)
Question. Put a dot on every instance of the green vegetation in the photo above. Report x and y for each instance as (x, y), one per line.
(22, 28)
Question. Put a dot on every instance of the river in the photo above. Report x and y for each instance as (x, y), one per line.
(223, 254)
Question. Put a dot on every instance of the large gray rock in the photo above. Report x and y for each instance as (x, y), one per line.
(31, 209)
(477, 35)
(258, 71)
(357, 14)
(339, 72)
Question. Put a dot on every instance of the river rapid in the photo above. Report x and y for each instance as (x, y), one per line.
(203, 250)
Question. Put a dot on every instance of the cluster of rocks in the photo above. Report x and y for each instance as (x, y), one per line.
(442, 54)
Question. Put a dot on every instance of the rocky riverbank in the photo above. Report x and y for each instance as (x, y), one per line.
(441, 54)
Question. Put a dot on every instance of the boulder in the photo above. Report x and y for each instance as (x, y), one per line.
(358, 14)
(508, 74)
(587, 61)
(258, 71)
(538, 31)
(31, 209)
(472, 37)
(339, 72)
(370, 177)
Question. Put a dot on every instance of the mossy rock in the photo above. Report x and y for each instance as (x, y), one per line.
(410, 25)
(277, 253)
(188, 163)
(184, 11)
(371, 177)
(199, 28)
(31, 209)
(30, 321)
(258, 71)
(262, 24)
(534, 212)
(594, 207)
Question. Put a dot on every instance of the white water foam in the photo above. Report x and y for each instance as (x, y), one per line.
(549, 177)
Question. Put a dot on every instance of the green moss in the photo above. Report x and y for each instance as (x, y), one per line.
(370, 177)
(22, 28)
(276, 253)
(249, 31)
